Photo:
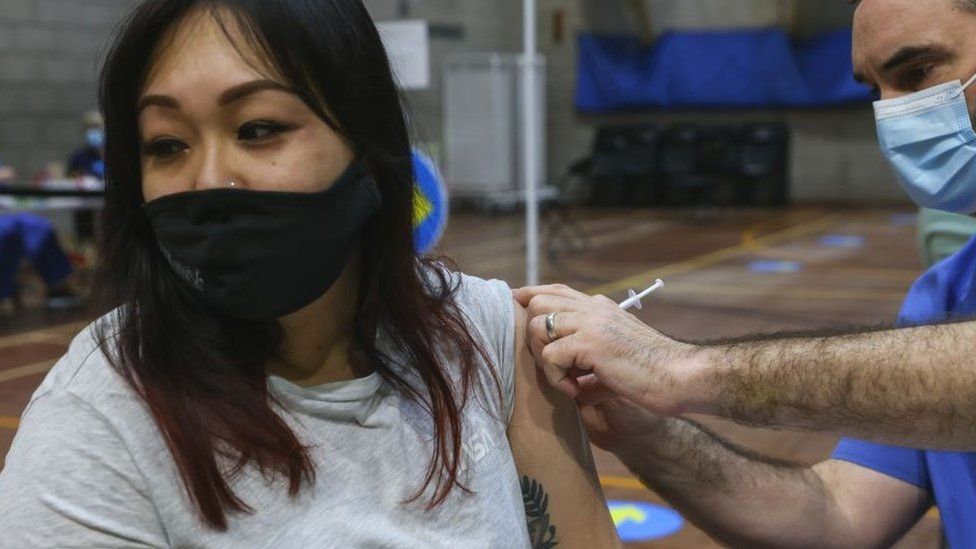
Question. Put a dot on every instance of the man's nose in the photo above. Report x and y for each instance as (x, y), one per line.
(889, 93)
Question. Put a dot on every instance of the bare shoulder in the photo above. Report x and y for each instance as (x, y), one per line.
(561, 492)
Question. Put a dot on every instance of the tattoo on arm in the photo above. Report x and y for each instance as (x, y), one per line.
(542, 534)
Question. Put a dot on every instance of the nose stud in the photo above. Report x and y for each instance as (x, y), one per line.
(232, 183)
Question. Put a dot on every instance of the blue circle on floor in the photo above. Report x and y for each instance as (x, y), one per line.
(642, 521)
(430, 204)
(842, 241)
(767, 266)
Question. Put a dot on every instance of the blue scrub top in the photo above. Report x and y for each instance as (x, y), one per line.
(946, 291)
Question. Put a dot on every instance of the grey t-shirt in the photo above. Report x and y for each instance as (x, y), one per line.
(88, 467)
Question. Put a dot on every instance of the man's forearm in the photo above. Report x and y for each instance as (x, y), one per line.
(737, 497)
(912, 386)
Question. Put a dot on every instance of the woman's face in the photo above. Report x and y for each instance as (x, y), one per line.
(209, 118)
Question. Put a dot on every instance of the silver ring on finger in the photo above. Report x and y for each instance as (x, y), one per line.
(551, 327)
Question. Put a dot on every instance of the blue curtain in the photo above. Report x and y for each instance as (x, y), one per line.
(739, 69)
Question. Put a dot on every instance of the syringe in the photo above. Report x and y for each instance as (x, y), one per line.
(635, 299)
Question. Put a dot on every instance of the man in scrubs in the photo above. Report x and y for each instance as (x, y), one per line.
(891, 392)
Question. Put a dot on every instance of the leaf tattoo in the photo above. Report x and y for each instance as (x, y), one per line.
(542, 534)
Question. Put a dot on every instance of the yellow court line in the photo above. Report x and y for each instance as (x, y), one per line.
(750, 235)
(26, 371)
(719, 256)
(825, 294)
(61, 333)
(8, 422)
(621, 482)
(68, 330)
(29, 337)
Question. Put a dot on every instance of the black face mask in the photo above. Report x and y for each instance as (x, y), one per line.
(262, 255)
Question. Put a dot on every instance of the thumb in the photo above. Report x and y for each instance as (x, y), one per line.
(522, 296)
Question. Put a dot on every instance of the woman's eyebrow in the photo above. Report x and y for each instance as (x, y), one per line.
(229, 96)
(243, 90)
(164, 101)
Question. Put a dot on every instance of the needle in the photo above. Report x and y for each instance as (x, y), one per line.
(634, 301)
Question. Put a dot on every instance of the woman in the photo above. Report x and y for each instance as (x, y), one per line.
(281, 370)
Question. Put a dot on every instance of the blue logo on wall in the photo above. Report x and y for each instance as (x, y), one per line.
(430, 204)
(641, 521)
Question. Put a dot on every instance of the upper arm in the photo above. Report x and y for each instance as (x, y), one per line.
(875, 509)
(69, 480)
(553, 458)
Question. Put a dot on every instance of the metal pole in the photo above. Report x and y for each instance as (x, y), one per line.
(530, 144)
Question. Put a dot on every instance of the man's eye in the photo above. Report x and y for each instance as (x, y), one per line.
(914, 78)
(258, 131)
(163, 148)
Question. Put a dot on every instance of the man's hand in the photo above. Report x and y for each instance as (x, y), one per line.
(614, 423)
(624, 356)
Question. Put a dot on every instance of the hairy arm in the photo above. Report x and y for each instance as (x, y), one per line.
(912, 386)
(564, 503)
(746, 500)
(909, 386)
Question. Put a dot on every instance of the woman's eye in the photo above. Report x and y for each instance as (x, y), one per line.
(258, 131)
(164, 148)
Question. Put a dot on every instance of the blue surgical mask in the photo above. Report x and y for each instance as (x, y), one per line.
(95, 138)
(928, 138)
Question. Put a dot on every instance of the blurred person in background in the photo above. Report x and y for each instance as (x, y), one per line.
(31, 238)
(7, 173)
(27, 237)
(89, 158)
(88, 161)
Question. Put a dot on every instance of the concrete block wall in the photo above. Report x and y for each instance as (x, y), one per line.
(49, 53)
(706, 14)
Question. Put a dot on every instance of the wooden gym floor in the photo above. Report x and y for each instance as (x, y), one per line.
(858, 274)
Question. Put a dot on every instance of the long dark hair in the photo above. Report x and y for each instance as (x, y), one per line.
(202, 374)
